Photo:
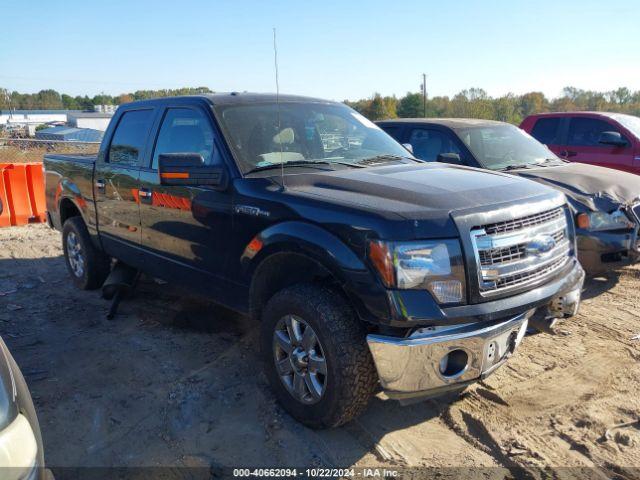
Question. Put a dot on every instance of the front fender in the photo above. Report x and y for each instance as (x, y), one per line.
(355, 277)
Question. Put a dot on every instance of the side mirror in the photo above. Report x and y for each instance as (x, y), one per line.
(181, 169)
(612, 138)
(453, 158)
(409, 147)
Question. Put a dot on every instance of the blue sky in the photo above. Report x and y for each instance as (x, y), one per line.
(333, 49)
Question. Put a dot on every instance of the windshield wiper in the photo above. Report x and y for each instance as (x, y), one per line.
(299, 163)
(516, 166)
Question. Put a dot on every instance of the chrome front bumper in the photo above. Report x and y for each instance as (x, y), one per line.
(437, 359)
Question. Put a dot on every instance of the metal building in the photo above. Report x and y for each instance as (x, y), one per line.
(68, 134)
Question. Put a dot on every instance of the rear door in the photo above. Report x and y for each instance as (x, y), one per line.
(116, 182)
(186, 230)
(582, 144)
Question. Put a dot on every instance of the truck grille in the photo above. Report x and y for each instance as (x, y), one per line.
(520, 252)
(509, 254)
(524, 222)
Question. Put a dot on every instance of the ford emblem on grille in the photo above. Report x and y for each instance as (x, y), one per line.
(541, 244)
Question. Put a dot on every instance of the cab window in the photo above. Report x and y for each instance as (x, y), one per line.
(186, 130)
(130, 137)
(585, 132)
(428, 144)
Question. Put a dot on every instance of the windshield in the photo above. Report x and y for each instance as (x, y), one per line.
(502, 146)
(262, 135)
(629, 122)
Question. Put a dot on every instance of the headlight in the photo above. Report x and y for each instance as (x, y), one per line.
(433, 265)
(598, 221)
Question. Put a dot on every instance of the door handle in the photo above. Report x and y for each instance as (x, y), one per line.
(101, 185)
(568, 153)
(146, 195)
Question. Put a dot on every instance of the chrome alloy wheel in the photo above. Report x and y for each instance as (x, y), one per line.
(299, 359)
(75, 255)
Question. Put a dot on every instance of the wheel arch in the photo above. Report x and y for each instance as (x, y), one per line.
(296, 252)
(68, 209)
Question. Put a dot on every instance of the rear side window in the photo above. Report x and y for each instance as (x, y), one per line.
(428, 144)
(586, 132)
(130, 137)
(185, 130)
(546, 130)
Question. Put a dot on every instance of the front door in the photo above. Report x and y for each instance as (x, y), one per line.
(428, 143)
(116, 182)
(583, 145)
(186, 230)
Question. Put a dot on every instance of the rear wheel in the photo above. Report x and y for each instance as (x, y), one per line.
(87, 265)
(316, 357)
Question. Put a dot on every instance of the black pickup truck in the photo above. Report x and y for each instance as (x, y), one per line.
(363, 266)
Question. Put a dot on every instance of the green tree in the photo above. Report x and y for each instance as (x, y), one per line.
(472, 103)
(69, 103)
(391, 104)
(411, 105)
(377, 109)
(48, 99)
(506, 109)
(533, 102)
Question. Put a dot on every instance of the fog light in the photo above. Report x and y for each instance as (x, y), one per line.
(454, 363)
(447, 291)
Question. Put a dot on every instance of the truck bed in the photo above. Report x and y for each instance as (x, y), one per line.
(70, 176)
(71, 157)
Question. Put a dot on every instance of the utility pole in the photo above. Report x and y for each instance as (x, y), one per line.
(424, 95)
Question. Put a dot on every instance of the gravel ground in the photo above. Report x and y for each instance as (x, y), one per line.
(175, 381)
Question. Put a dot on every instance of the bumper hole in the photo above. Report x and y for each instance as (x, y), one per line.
(454, 363)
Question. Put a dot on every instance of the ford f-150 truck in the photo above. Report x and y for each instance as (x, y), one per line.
(363, 266)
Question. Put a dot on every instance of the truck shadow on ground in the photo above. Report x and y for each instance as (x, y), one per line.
(596, 286)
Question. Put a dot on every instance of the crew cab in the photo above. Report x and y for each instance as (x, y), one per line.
(598, 138)
(364, 266)
(605, 202)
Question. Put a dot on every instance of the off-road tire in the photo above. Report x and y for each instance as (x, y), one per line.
(351, 375)
(96, 263)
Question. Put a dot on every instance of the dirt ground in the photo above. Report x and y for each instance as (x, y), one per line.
(175, 381)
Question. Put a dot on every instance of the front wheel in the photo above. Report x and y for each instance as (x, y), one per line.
(316, 357)
(87, 265)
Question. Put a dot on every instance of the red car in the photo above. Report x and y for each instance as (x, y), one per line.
(599, 138)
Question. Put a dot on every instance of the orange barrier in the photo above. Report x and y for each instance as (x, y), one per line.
(22, 194)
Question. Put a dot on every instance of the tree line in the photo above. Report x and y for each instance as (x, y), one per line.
(471, 103)
(52, 100)
(476, 103)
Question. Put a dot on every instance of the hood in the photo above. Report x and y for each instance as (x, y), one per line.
(597, 188)
(416, 191)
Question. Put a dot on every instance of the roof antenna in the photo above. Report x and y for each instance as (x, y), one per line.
(275, 61)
